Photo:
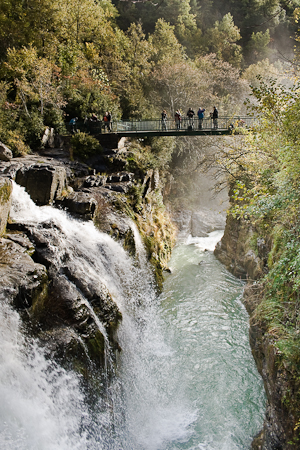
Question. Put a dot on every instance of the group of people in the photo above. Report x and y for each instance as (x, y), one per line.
(190, 115)
(106, 121)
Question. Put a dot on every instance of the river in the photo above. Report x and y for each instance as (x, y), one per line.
(185, 378)
(194, 384)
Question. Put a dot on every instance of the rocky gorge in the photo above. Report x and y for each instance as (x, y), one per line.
(245, 253)
(48, 295)
(51, 298)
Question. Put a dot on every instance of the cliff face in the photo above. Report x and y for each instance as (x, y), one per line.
(241, 250)
(57, 303)
(244, 253)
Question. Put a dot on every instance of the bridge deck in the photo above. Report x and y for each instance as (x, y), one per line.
(195, 132)
(144, 128)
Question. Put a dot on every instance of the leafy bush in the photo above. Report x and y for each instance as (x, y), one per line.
(33, 128)
(15, 140)
(53, 118)
(84, 146)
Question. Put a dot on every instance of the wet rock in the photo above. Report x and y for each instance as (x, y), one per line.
(5, 202)
(22, 240)
(235, 253)
(44, 183)
(79, 203)
(68, 328)
(22, 281)
(253, 265)
(206, 221)
(71, 308)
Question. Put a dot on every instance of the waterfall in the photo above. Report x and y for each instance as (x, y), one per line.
(165, 389)
(41, 405)
(139, 412)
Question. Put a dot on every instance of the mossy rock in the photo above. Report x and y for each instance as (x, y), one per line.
(5, 202)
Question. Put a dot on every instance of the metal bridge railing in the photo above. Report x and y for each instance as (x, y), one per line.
(222, 123)
(157, 125)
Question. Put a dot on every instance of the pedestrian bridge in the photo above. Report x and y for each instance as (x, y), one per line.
(155, 127)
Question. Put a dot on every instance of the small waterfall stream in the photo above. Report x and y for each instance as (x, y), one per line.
(185, 378)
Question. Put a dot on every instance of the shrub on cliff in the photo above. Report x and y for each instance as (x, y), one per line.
(84, 146)
(265, 174)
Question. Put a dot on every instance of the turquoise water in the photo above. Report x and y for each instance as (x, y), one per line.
(207, 325)
(185, 378)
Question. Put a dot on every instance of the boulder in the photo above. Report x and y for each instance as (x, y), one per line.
(5, 202)
(95, 180)
(75, 302)
(79, 203)
(22, 281)
(5, 153)
(48, 137)
(44, 183)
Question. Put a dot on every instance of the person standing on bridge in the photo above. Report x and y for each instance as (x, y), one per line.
(109, 120)
(105, 121)
(214, 116)
(164, 120)
(177, 119)
(200, 115)
(190, 115)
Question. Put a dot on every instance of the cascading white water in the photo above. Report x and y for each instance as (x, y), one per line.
(41, 406)
(99, 259)
(148, 405)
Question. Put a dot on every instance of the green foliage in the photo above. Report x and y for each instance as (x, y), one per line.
(84, 146)
(257, 47)
(265, 190)
(263, 70)
(153, 153)
(33, 128)
(73, 59)
(222, 40)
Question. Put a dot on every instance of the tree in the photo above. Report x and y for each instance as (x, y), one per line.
(223, 85)
(257, 47)
(221, 40)
(166, 45)
(35, 79)
(177, 85)
(26, 22)
(80, 21)
(137, 52)
(264, 71)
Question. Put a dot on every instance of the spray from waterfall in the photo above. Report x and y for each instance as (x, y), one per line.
(185, 377)
(136, 412)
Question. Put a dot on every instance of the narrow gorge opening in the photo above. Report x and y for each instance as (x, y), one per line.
(185, 377)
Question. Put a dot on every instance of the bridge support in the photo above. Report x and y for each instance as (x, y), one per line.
(109, 140)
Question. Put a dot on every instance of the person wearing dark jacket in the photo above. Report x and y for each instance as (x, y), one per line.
(190, 115)
(164, 120)
(215, 116)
